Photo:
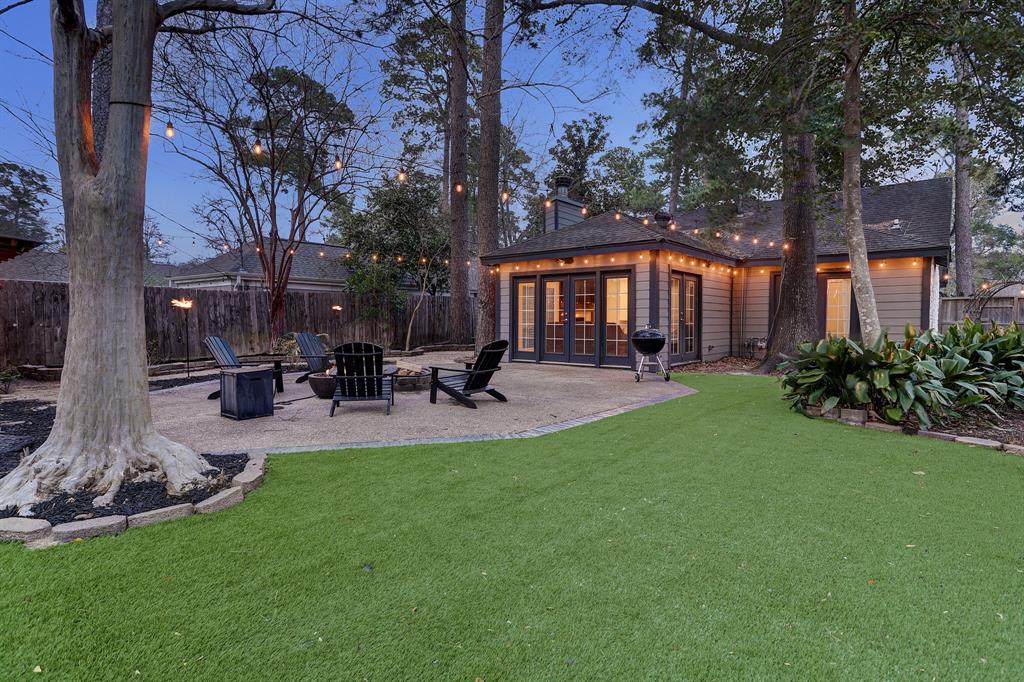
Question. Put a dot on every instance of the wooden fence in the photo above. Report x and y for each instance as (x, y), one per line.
(34, 321)
(999, 310)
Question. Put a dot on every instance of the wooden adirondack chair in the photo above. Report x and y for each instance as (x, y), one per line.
(474, 379)
(361, 375)
(312, 350)
(225, 358)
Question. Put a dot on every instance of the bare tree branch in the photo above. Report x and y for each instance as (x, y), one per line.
(13, 5)
(175, 7)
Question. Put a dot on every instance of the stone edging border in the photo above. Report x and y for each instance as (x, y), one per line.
(37, 533)
(860, 418)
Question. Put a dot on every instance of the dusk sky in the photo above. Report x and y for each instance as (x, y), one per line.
(173, 185)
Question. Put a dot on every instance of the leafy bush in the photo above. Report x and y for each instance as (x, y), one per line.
(929, 376)
(7, 377)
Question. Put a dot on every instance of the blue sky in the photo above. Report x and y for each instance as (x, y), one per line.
(172, 183)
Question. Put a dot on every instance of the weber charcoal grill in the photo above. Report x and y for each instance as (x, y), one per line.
(648, 342)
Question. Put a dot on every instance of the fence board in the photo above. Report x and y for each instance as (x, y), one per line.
(1000, 310)
(34, 321)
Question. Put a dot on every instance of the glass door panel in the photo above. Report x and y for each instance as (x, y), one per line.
(554, 320)
(583, 329)
(837, 307)
(526, 318)
(616, 320)
(675, 347)
(690, 317)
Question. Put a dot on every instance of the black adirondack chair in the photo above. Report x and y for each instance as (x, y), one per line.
(313, 352)
(474, 379)
(225, 358)
(361, 375)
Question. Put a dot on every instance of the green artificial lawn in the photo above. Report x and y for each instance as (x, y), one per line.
(717, 536)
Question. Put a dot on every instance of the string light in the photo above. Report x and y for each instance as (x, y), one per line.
(696, 231)
(672, 225)
(374, 258)
(321, 254)
(336, 308)
(169, 131)
(736, 238)
(291, 252)
(402, 175)
(257, 148)
(225, 247)
(646, 221)
(618, 216)
(446, 261)
(785, 247)
(771, 243)
(458, 188)
(337, 162)
(467, 264)
(945, 277)
(504, 197)
(718, 234)
(547, 203)
(398, 259)
(755, 240)
(583, 211)
(984, 285)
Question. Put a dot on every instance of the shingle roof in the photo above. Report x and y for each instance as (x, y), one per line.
(52, 266)
(307, 263)
(909, 216)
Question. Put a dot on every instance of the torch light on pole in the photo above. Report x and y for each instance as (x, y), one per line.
(186, 305)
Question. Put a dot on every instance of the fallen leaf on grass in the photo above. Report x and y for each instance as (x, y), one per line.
(918, 473)
(37, 669)
(872, 581)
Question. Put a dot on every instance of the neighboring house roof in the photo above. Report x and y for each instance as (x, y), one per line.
(307, 264)
(52, 266)
(911, 217)
(18, 234)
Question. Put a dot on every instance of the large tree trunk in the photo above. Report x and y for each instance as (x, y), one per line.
(796, 313)
(488, 195)
(963, 243)
(103, 433)
(860, 272)
(459, 152)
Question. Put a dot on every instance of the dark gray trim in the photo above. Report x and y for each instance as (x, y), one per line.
(572, 253)
(926, 292)
(654, 302)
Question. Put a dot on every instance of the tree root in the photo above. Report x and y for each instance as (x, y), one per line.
(65, 465)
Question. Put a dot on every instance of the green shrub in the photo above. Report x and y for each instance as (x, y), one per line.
(7, 377)
(929, 376)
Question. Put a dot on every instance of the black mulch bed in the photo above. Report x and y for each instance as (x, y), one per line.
(132, 498)
(30, 418)
(978, 423)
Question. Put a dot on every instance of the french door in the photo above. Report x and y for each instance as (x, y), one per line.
(583, 319)
(684, 318)
(555, 344)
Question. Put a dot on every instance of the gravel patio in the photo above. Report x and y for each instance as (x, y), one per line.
(540, 397)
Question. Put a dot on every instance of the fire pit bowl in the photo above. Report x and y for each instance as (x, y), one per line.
(407, 379)
(322, 385)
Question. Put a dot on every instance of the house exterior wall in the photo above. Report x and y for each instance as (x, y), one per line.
(901, 284)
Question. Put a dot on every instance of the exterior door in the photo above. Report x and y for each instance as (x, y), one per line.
(684, 318)
(524, 319)
(615, 346)
(583, 325)
(554, 339)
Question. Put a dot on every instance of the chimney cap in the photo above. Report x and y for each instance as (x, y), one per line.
(662, 218)
(562, 181)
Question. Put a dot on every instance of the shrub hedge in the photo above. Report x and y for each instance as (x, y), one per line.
(927, 377)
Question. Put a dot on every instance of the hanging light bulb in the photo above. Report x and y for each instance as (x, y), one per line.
(735, 237)
(583, 211)
(169, 131)
(718, 234)
(646, 221)
(337, 162)
(458, 188)
(771, 243)
(547, 203)
(226, 247)
(618, 216)
(402, 175)
(321, 254)
(160, 242)
(504, 197)
(257, 148)
(755, 240)
(696, 231)
(374, 258)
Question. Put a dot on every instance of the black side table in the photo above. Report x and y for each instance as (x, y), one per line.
(247, 392)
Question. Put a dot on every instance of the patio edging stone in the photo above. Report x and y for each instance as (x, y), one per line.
(814, 412)
(37, 533)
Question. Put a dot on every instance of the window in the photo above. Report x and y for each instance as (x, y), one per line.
(673, 316)
(525, 294)
(554, 317)
(584, 309)
(616, 318)
(690, 307)
(837, 307)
